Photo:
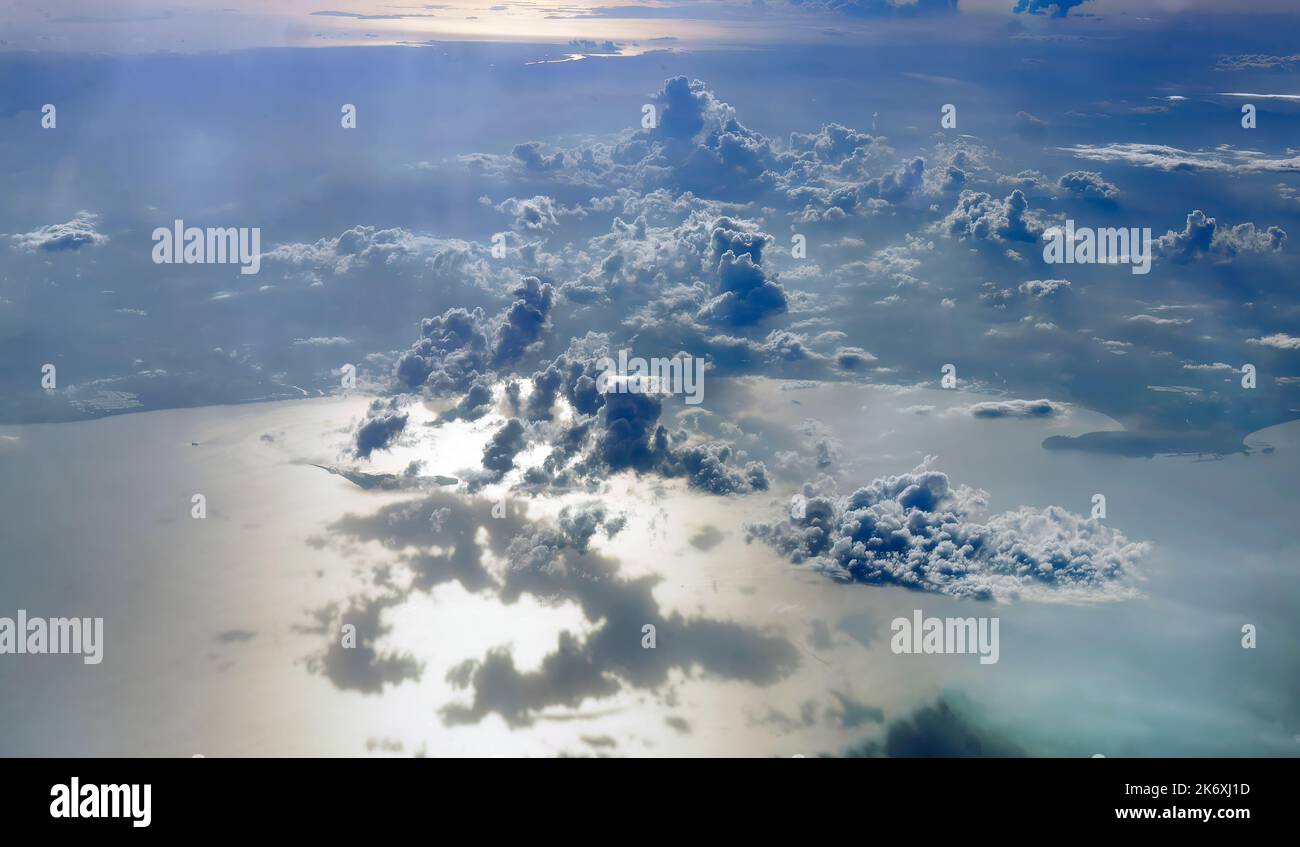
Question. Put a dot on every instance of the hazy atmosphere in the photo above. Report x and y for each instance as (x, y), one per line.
(644, 378)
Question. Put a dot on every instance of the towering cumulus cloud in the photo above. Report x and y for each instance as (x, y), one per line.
(916, 531)
(454, 347)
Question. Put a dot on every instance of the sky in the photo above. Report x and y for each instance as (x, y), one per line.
(839, 209)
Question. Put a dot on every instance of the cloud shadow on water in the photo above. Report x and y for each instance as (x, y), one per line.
(442, 538)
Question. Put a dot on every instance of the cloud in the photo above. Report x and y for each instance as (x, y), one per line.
(914, 530)
(696, 145)
(1051, 8)
(852, 358)
(1278, 340)
(530, 155)
(454, 348)
(778, 346)
(981, 216)
(524, 320)
(1087, 184)
(709, 467)
(452, 351)
(72, 235)
(506, 443)
(369, 246)
(630, 421)
(1255, 95)
(1015, 409)
(1163, 157)
(540, 550)
(1257, 61)
(897, 184)
(384, 422)
(746, 293)
(882, 8)
(610, 432)
(1154, 320)
(1203, 237)
(476, 402)
(1042, 288)
(322, 341)
(1030, 126)
(533, 214)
